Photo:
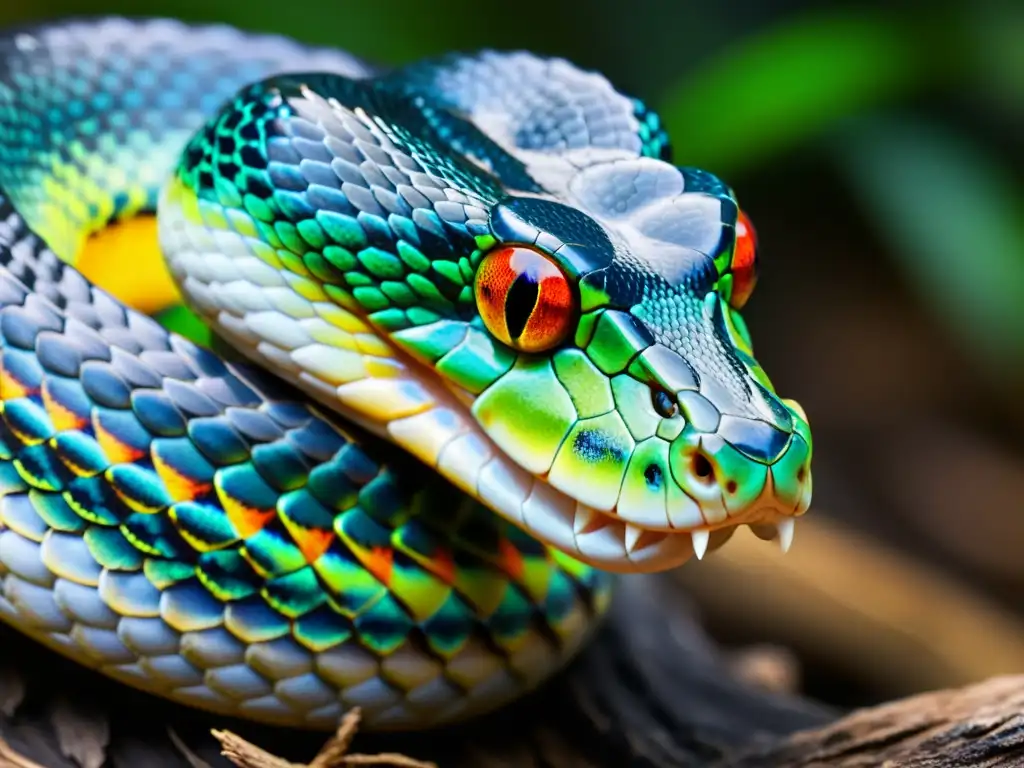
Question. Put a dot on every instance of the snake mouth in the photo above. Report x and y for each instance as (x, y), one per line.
(615, 539)
(607, 540)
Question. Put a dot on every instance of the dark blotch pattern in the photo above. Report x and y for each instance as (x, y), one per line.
(593, 446)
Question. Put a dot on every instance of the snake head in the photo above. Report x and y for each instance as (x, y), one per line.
(555, 331)
(635, 390)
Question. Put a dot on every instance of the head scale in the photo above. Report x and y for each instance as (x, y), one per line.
(654, 407)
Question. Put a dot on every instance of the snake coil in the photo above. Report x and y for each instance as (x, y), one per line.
(443, 348)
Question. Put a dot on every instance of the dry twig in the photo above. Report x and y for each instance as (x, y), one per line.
(334, 753)
(11, 759)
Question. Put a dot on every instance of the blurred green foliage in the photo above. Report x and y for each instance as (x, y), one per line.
(954, 217)
(765, 94)
(917, 106)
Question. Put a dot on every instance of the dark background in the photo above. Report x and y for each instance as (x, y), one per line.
(877, 148)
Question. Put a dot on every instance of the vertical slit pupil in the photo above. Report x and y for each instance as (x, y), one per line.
(520, 303)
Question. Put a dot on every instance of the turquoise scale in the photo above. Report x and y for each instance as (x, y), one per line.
(190, 526)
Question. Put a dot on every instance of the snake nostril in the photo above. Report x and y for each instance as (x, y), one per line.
(731, 486)
(663, 403)
(702, 468)
(801, 474)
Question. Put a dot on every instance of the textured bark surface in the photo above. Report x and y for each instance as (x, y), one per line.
(651, 691)
(981, 725)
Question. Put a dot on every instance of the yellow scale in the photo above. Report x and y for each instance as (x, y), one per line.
(125, 260)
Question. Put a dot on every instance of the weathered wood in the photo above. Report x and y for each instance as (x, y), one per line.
(981, 725)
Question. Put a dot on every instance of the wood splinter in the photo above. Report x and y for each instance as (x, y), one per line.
(334, 753)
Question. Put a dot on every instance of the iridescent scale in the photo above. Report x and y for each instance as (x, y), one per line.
(188, 524)
(316, 468)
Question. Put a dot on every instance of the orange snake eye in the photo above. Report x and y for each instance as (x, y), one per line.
(744, 267)
(524, 298)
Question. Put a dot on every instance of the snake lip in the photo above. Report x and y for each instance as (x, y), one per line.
(766, 507)
(606, 541)
(647, 547)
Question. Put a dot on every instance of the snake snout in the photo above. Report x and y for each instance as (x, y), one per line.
(756, 439)
(747, 472)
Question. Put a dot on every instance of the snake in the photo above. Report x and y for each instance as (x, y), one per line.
(328, 385)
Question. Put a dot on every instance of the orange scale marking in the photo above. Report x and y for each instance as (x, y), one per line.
(312, 542)
(510, 559)
(62, 417)
(248, 521)
(117, 451)
(181, 487)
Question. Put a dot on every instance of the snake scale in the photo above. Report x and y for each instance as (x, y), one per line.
(448, 346)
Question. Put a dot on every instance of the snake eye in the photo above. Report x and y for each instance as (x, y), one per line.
(524, 298)
(744, 267)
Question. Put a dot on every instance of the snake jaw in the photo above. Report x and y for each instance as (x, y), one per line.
(610, 540)
(782, 494)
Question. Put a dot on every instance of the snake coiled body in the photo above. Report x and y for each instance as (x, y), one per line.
(477, 345)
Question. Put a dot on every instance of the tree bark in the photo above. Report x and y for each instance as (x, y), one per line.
(980, 725)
